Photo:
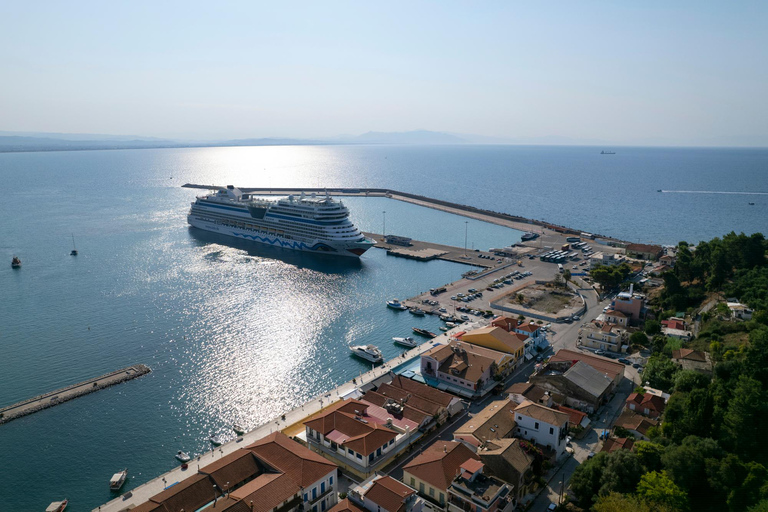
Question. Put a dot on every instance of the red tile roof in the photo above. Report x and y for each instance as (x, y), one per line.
(304, 466)
(389, 494)
(621, 443)
(267, 491)
(439, 464)
(364, 438)
(346, 506)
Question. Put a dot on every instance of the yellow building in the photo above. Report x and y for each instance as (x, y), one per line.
(496, 338)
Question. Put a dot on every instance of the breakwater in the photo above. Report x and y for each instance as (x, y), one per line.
(62, 395)
(504, 219)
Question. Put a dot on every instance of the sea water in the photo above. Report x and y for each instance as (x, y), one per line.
(238, 333)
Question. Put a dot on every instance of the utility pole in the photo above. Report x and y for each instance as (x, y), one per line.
(384, 227)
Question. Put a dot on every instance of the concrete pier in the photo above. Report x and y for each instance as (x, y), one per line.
(502, 219)
(62, 395)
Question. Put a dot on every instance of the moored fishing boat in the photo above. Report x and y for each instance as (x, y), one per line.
(424, 332)
(396, 304)
(117, 480)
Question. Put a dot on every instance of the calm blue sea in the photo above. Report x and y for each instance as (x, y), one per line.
(236, 333)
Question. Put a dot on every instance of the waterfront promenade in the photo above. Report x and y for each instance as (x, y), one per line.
(289, 421)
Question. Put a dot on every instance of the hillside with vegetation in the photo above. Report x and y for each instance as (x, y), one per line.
(709, 453)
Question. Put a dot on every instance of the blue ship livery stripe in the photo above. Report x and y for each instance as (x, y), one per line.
(290, 245)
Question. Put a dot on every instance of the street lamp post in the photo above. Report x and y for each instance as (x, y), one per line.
(466, 227)
(384, 226)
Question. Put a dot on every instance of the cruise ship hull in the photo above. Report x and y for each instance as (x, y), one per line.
(350, 249)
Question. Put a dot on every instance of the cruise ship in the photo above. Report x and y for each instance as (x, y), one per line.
(306, 223)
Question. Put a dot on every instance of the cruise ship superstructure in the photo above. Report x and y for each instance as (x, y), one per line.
(311, 223)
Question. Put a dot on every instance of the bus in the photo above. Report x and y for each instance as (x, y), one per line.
(560, 268)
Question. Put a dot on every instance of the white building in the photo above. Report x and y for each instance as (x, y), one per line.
(739, 310)
(542, 425)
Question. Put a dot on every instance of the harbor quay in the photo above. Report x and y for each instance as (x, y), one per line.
(287, 423)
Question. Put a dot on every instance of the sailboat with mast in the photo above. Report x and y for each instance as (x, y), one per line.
(74, 248)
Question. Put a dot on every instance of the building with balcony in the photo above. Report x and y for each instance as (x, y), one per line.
(542, 425)
(496, 338)
(465, 370)
(385, 494)
(432, 472)
(472, 490)
(275, 474)
(507, 459)
(605, 336)
(495, 421)
(359, 440)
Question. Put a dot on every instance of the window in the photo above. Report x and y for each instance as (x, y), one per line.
(370, 458)
(421, 487)
(536, 425)
(330, 482)
(378, 452)
(413, 482)
(551, 430)
(359, 456)
(322, 505)
(322, 487)
(305, 497)
(391, 441)
(432, 492)
(314, 493)
(442, 498)
(350, 451)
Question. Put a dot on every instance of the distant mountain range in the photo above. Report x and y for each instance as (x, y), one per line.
(33, 141)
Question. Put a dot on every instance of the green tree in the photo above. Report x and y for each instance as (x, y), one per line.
(652, 327)
(657, 488)
(649, 454)
(746, 410)
(660, 372)
(760, 507)
(688, 380)
(638, 338)
(566, 275)
(615, 502)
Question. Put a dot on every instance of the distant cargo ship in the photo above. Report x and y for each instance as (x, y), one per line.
(607, 153)
(307, 223)
(529, 236)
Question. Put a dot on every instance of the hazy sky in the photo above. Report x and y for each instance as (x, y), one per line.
(619, 71)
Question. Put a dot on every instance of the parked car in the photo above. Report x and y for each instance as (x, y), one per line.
(624, 361)
(635, 365)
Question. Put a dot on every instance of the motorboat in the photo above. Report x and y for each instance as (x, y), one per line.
(424, 332)
(368, 352)
(396, 304)
(183, 456)
(215, 440)
(117, 480)
(406, 342)
(416, 311)
(57, 506)
(450, 325)
(239, 429)
(443, 328)
(16, 262)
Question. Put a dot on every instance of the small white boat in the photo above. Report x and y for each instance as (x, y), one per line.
(443, 328)
(396, 304)
(239, 429)
(117, 480)
(215, 440)
(183, 456)
(417, 311)
(450, 325)
(57, 506)
(406, 342)
(368, 352)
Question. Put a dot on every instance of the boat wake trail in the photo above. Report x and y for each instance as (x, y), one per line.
(713, 192)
